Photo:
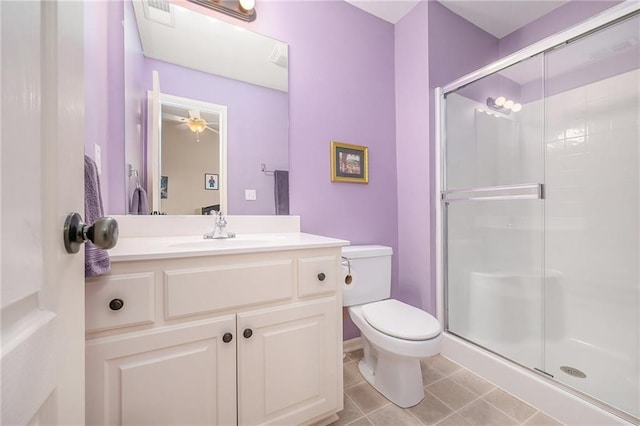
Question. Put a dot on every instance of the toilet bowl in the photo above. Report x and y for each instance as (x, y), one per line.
(395, 336)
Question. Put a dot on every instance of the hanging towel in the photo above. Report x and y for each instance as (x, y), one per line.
(139, 203)
(96, 260)
(281, 184)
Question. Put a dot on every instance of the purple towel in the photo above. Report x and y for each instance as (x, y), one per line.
(281, 184)
(96, 260)
(139, 203)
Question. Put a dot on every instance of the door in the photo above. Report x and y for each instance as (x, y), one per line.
(154, 136)
(494, 211)
(286, 371)
(41, 180)
(176, 375)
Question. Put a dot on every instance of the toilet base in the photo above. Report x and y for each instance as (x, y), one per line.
(399, 379)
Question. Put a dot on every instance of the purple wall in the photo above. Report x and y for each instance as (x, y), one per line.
(433, 46)
(414, 162)
(257, 130)
(558, 20)
(96, 88)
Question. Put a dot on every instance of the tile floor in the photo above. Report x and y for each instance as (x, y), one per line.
(453, 397)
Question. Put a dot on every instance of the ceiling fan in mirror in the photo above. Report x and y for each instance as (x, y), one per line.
(194, 122)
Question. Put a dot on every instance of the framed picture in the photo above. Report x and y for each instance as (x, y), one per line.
(164, 187)
(210, 181)
(349, 163)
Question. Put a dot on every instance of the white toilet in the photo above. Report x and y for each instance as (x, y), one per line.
(395, 335)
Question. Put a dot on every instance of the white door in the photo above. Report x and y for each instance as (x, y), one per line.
(154, 138)
(41, 180)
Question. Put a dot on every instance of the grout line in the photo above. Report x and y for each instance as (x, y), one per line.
(448, 406)
(414, 416)
(379, 408)
(503, 412)
(532, 416)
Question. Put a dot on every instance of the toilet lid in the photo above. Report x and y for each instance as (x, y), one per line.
(400, 320)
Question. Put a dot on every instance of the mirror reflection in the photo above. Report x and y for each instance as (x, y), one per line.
(175, 133)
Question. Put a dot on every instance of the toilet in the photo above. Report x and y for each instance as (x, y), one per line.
(395, 335)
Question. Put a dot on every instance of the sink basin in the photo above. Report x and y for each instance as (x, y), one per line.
(239, 240)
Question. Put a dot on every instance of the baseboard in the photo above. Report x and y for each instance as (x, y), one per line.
(352, 344)
(531, 388)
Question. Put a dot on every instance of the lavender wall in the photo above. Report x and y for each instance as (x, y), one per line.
(341, 82)
(558, 20)
(433, 46)
(257, 131)
(96, 87)
(414, 162)
(135, 98)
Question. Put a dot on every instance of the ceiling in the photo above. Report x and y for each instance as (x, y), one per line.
(497, 17)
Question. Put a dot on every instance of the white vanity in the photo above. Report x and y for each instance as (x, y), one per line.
(242, 331)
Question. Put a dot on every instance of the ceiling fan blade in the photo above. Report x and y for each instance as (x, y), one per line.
(194, 113)
(173, 117)
(217, 132)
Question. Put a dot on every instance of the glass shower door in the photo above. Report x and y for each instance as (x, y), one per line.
(592, 215)
(494, 212)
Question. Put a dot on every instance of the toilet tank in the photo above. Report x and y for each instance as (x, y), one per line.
(370, 272)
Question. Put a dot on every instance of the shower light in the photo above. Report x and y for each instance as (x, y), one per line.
(508, 104)
(516, 107)
(241, 9)
(500, 101)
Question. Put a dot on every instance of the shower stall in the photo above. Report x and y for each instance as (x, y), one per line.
(540, 209)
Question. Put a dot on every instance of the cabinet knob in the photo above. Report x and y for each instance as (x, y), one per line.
(116, 304)
(227, 337)
(321, 276)
(247, 333)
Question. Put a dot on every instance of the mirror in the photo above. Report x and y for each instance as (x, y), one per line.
(228, 69)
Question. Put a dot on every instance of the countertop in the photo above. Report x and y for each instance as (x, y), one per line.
(149, 248)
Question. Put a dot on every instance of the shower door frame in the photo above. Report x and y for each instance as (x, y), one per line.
(616, 13)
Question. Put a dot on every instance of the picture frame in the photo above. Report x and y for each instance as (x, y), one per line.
(211, 181)
(349, 163)
(164, 187)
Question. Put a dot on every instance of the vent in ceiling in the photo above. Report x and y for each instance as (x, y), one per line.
(159, 11)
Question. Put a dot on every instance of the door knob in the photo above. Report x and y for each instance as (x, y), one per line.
(103, 233)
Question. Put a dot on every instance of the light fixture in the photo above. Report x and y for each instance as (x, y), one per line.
(196, 125)
(240, 9)
(503, 105)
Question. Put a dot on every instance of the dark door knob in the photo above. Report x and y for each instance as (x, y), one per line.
(321, 276)
(247, 333)
(103, 233)
(116, 304)
(227, 337)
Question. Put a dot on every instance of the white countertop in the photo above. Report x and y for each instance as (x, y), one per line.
(149, 248)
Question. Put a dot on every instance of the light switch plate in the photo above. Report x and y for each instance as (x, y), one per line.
(250, 194)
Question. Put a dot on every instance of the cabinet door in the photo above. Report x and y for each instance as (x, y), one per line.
(177, 375)
(288, 368)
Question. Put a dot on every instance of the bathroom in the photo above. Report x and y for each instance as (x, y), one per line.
(353, 78)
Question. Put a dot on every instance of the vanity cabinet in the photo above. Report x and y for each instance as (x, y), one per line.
(243, 339)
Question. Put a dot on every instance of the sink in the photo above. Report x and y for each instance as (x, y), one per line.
(239, 240)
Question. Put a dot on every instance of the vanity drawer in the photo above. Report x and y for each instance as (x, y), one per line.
(317, 275)
(104, 312)
(205, 290)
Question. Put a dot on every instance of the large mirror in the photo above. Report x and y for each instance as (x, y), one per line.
(206, 113)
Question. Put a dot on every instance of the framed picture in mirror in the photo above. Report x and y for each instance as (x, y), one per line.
(164, 187)
(211, 181)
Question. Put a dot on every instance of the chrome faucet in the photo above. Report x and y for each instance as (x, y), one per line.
(219, 232)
